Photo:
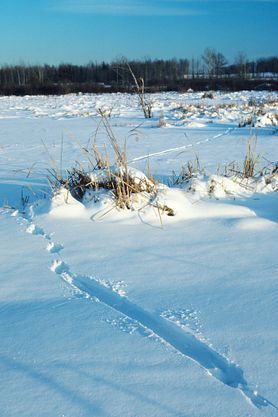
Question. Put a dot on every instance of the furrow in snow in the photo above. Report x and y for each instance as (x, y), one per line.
(186, 343)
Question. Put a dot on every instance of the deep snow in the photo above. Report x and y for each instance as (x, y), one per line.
(112, 330)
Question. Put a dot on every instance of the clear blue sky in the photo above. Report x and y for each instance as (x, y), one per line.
(79, 31)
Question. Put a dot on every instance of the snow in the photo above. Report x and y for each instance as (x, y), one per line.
(117, 312)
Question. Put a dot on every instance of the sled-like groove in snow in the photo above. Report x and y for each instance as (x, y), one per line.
(184, 342)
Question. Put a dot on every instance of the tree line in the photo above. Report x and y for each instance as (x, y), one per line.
(210, 71)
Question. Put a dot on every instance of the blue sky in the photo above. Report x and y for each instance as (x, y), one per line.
(80, 31)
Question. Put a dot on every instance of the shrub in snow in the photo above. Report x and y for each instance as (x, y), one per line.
(247, 120)
(188, 172)
(268, 119)
(208, 94)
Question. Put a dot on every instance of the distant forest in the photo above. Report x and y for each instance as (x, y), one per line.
(210, 72)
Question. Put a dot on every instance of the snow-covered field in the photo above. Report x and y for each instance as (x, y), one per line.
(109, 312)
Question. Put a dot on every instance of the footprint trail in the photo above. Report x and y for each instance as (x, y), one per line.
(179, 338)
(185, 343)
(54, 247)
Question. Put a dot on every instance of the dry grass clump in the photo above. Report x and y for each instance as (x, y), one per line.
(270, 99)
(145, 103)
(248, 176)
(116, 179)
(237, 178)
(188, 171)
(208, 94)
(252, 102)
(247, 120)
(77, 183)
(250, 113)
(161, 121)
(271, 176)
(235, 183)
(126, 184)
(250, 162)
(256, 110)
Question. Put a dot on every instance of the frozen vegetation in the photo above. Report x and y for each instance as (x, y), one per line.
(139, 256)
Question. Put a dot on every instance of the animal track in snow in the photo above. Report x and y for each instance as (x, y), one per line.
(181, 148)
(33, 229)
(54, 247)
(183, 342)
(169, 327)
(59, 267)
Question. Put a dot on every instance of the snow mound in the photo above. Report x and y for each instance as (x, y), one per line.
(151, 203)
(220, 186)
(268, 119)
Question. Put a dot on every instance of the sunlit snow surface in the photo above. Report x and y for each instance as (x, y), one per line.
(108, 312)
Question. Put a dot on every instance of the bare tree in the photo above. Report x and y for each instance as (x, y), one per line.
(221, 63)
(241, 63)
(209, 58)
(214, 61)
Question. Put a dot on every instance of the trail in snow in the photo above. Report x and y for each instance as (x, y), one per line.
(182, 341)
(180, 148)
(186, 343)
